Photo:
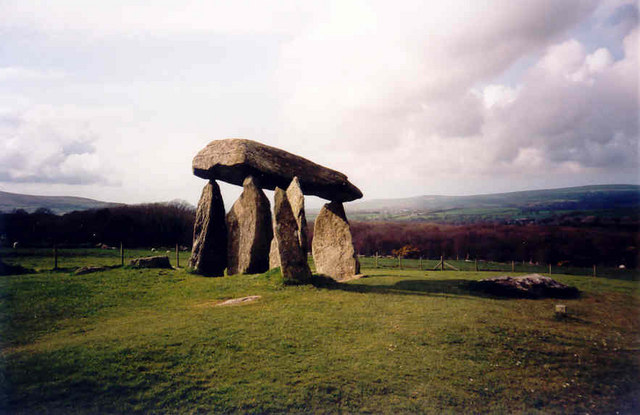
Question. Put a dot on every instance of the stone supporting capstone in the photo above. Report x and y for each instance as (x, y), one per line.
(296, 200)
(249, 231)
(209, 252)
(274, 254)
(293, 260)
(332, 246)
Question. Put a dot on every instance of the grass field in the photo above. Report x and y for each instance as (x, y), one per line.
(126, 341)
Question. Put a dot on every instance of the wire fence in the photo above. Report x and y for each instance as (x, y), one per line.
(73, 258)
(386, 262)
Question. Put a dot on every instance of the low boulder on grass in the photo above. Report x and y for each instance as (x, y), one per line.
(151, 262)
(526, 286)
(89, 270)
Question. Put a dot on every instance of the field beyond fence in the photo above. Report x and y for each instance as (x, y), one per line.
(70, 258)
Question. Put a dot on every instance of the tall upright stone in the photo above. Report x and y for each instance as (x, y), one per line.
(332, 246)
(296, 200)
(293, 260)
(209, 252)
(274, 253)
(250, 231)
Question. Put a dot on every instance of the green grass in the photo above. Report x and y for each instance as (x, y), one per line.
(129, 341)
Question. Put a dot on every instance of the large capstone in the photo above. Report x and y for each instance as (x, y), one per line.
(296, 200)
(250, 231)
(332, 246)
(232, 160)
(293, 260)
(209, 252)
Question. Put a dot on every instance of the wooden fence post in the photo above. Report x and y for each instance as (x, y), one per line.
(549, 269)
(595, 274)
(376, 259)
(177, 257)
(121, 254)
(441, 262)
(513, 266)
(55, 256)
(420, 263)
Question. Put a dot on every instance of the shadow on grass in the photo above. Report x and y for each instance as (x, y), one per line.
(448, 287)
(457, 287)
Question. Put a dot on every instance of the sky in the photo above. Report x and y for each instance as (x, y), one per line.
(111, 100)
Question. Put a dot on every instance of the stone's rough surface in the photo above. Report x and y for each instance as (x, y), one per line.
(293, 261)
(209, 253)
(332, 246)
(250, 231)
(296, 200)
(151, 262)
(526, 286)
(232, 160)
(274, 255)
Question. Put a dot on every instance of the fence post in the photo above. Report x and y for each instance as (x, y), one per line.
(594, 271)
(420, 263)
(177, 257)
(549, 269)
(441, 262)
(376, 259)
(121, 254)
(513, 266)
(55, 256)
(476, 261)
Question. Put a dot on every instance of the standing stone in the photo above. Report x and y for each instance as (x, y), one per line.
(250, 231)
(332, 246)
(296, 200)
(209, 252)
(293, 260)
(274, 254)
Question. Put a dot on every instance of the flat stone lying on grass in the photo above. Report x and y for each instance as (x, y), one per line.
(151, 262)
(89, 270)
(526, 286)
(240, 300)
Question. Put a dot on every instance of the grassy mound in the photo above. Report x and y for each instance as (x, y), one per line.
(129, 340)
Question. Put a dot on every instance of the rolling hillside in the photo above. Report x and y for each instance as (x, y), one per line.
(57, 204)
(600, 200)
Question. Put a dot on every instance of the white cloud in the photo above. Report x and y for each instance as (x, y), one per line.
(12, 73)
(49, 145)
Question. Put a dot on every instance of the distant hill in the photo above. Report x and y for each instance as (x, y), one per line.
(525, 206)
(57, 204)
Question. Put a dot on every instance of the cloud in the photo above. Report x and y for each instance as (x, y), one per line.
(13, 73)
(574, 107)
(49, 145)
(417, 91)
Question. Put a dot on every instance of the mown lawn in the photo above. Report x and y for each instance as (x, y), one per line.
(130, 340)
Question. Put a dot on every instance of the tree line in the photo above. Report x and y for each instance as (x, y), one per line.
(164, 225)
